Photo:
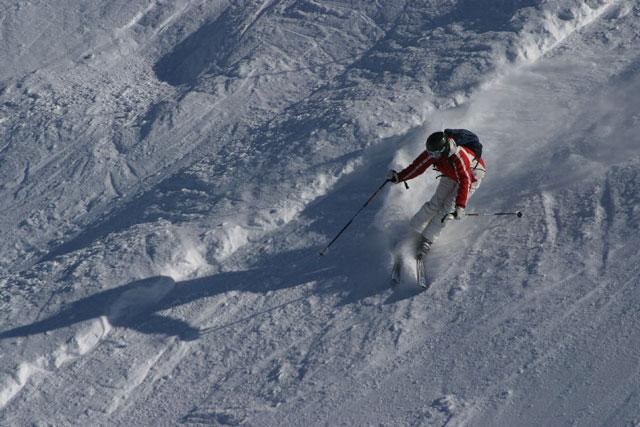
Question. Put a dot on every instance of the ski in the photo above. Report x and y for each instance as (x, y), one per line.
(420, 273)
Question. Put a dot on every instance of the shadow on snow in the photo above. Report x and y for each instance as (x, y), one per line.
(356, 268)
(138, 305)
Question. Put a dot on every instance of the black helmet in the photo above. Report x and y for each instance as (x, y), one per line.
(437, 144)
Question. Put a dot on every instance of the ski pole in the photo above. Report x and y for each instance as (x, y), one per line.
(324, 251)
(516, 213)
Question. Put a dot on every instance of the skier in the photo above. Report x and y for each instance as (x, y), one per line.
(456, 154)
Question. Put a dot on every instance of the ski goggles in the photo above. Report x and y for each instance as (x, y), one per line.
(438, 153)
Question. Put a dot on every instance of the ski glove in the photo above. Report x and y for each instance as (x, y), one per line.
(393, 176)
(457, 214)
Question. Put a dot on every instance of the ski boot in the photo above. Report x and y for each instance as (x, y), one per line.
(422, 249)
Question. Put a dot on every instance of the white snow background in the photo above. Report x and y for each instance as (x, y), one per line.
(169, 171)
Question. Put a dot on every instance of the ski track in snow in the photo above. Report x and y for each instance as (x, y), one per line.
(242, 174)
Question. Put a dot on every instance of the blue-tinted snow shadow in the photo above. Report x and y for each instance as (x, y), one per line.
(138, 305)
(356, 267)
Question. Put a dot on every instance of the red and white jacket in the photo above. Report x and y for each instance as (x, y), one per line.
(460, 166)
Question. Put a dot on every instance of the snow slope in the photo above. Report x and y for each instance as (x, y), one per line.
(170, 170)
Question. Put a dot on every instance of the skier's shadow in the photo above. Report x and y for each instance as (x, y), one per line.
(138, 305)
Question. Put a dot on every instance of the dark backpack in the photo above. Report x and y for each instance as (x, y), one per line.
(466, 138)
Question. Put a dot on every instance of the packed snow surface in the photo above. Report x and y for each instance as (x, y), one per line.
(169, 172)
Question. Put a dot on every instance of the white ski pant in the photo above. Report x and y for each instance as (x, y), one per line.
(428, 220)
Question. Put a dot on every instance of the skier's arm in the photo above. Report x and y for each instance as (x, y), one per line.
(417, 167)
(463, 173)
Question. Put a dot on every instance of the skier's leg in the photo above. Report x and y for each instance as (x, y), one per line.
(411, 237)
(433, 229)
(412, 240)
(428, 211)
